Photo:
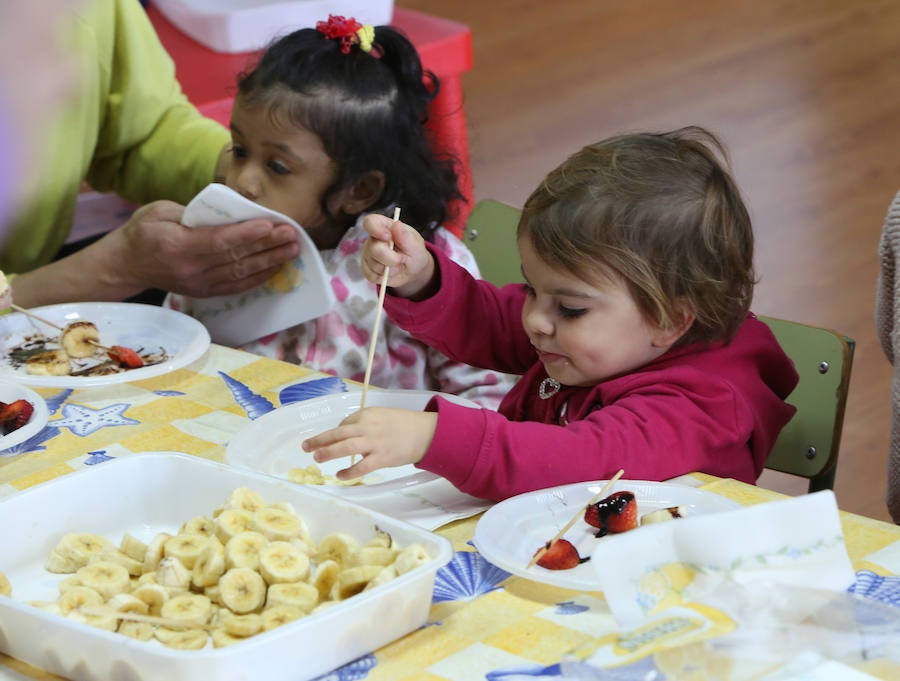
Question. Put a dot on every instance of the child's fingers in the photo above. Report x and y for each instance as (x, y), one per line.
(378, 226)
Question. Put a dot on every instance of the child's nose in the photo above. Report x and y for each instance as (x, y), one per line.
(536, 321)
(248, 183)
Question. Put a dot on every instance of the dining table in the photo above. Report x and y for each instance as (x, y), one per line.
(484, 622)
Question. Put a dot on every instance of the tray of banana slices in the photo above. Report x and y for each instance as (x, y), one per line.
(164, 566)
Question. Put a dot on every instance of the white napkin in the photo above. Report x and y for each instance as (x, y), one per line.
(428, 506)
(299, 292)
(795, 542)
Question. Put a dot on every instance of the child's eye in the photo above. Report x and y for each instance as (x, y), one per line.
(279, 168)
(571, 312)
(529, 289)
(238, 151)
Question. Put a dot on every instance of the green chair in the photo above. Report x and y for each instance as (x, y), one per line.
(808, 446)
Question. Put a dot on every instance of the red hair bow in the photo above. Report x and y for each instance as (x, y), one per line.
(344, 29)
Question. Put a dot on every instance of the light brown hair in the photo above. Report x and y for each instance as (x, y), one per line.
(659, 210)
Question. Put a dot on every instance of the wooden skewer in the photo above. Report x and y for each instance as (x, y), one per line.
(374, 337)
(42, 320)
(597, 497)
(101, 611)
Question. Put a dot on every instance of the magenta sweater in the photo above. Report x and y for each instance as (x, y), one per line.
(711, 408)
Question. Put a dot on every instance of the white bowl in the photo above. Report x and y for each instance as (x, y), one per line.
(271, 443)
(146, 493)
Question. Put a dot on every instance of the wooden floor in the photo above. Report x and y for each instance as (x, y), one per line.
(805, 94)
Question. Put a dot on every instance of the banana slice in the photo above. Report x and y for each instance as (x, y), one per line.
(410, 558)
(231, 522)
(191, 610)
(280, 615)
(242, 625)
(242, 550)
(142, 631)
(156, 551)
(381, 538)
(210, 565)
(106, 622)
(387, 574)
(76, 597)
(104, 577)
(186, 548)
(128, 603)
(222, 639)
(82, 547)
(299, 595)
(371, 555)
(68, 583)
(282, 562)
(336, 547)
(242, 590)
(353, 580)
(277, 524)
(135, 568)
(201, 524)
(181, 639)
(245, 498)
(154, 595)
(173, 574)
(49, 363)
(133, 547)
(78, 339)
(325, 578)
(60, 564)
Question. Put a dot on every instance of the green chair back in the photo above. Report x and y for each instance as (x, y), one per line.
(491, 236)
(808, 446)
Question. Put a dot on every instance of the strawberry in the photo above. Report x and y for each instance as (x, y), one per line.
(560, 555)
(15, 415)
(613, 514)
(125, 357)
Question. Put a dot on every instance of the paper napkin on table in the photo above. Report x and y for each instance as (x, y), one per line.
(792, 542)
(300, 291)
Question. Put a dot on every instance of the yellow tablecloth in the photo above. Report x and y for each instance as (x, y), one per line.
(490, 622)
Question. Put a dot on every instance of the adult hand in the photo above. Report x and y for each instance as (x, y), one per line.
(384, 438)
(157, 251)
(411, 266)
(154, 250)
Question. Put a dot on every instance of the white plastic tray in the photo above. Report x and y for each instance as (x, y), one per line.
(248, 25)
(146, 493)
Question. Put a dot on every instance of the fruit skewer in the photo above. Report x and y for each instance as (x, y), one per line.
(599, 495)
(118, 353)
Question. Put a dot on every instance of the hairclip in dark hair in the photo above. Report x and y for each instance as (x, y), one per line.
(349, 31)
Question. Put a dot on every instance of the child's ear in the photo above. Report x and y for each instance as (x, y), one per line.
(683, 315)
(363, 193)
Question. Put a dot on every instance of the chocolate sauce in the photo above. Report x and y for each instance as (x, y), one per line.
(613, 505)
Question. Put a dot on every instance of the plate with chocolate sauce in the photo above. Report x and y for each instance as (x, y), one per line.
(511, 532)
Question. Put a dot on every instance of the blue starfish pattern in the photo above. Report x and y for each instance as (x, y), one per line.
(82, 421)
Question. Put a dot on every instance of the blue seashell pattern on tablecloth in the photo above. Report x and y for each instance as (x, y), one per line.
(254, 404)
(877, 587)
(353, 671)
(465, 577)
(306, 390)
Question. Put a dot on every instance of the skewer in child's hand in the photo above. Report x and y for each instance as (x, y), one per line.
(411, 265)
(384, 437)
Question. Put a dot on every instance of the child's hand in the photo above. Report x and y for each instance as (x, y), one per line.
(384, 437)
(411, 265)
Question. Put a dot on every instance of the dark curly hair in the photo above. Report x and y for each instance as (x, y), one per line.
(369, 110)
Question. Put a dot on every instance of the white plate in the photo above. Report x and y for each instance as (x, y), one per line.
(10, 392)
(146, 493)
(508, 534)
(271, 443)
(134, 325)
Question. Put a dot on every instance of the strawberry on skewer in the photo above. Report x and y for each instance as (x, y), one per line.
(124, 356)
(14, 415)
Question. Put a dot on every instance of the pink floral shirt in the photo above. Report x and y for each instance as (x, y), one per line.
(338, 343)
